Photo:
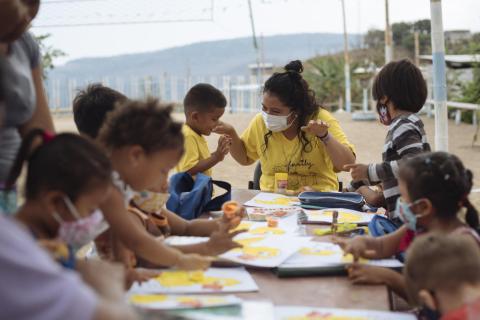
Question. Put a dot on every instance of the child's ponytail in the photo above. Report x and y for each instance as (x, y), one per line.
(471, 216)
(24, 154)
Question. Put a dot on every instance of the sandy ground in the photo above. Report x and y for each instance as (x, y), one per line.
(367, 137)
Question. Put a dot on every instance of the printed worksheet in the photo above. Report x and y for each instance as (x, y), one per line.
(213, 280)
(344, 216)
(169, 301)
(272, 201)
(306, 313)
(264, 250)
(319, 254)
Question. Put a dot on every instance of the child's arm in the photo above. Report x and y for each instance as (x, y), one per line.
(372, 197)
(364, 274)
(407, 144)
(372, 248)
(222, 150)
(137, 239)
(221, 240)
(237, 147)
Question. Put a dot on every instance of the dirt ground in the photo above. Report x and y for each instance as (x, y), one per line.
(367, 137)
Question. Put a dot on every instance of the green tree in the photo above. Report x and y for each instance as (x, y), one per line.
(49, 54)
(471, 94)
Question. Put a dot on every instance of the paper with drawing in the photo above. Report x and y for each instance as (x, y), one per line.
(306, 313)
(212, 280)
(320, 254)
(344, 216)
(168, 302)
(272, 201)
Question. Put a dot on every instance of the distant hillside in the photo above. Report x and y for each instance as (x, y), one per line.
(223, 57)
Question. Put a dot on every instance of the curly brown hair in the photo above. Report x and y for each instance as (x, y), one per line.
(146, 123)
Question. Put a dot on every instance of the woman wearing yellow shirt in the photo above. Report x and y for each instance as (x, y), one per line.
(292, 135)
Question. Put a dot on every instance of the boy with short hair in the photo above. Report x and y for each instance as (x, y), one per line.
(91, 106)
(204, 105)
(442, 275)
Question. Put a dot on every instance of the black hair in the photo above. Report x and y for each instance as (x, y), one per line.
(66, 162)
(203, 97)
(145, 123)
(402, 83)
(293, 91)
(441, 178)
(91, 106)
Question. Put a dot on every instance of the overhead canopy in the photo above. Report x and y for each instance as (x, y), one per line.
(457, 61)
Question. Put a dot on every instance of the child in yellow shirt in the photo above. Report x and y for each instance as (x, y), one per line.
(204, 105)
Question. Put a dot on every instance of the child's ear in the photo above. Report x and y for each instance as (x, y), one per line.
(424, 207)
(195, 115)
(136, 154)
(426, 298)
(53, 201)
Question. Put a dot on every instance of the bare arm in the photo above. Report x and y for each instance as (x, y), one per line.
(237, 147)
(339, 153)
(41, 117)
(373, 248)
(372, 197)
(133, 236)
(196, 228)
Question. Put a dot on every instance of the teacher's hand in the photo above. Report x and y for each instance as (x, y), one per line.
(358, 171)
(316, 127)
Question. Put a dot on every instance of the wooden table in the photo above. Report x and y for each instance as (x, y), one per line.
(325, 291)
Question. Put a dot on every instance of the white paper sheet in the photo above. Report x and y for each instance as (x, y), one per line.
(265, 251)
(213, 280)
(184, 240)
(344, 216)
(272, 201)
(319, 254)
(298, 313)
(170, 302)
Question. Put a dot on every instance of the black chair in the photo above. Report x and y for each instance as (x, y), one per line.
(255, 183)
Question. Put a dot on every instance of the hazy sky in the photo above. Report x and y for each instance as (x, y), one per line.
(230, 20)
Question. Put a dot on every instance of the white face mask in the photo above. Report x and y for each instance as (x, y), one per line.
(83, 230)
(276, 123)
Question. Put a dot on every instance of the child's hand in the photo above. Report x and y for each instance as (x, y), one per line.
(223, 147)
(107, 279)
(139, 275)
(234, 220)
(316, 127)
(357, 247)
(365, 274)
(224, 128)
(358, 171)
(222, 241)
(193, 261)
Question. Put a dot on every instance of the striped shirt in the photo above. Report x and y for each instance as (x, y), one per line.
(405, 138)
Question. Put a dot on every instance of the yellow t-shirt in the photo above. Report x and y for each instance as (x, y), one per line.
(196, 149)
(314, 169)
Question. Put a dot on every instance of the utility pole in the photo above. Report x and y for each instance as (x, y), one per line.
(416, 36)
(348, 103)
(439, 77)
(255, 45)
(388, 36)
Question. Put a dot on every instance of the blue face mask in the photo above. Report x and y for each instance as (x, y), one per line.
(404, 211)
